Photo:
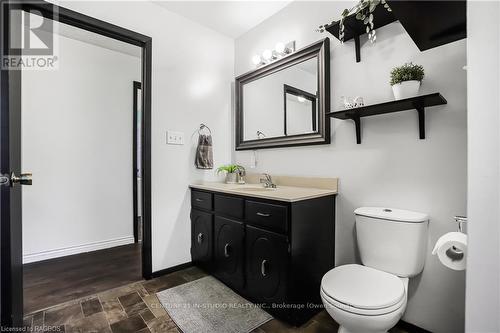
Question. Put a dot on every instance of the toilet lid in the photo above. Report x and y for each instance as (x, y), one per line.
(363, 287)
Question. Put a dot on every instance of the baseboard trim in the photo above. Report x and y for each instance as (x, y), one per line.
(70, 250)
(411, 328)
(171, 269)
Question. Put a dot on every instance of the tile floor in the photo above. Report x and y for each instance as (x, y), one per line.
(135, 308)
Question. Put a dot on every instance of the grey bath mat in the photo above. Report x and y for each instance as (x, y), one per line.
(206, 305)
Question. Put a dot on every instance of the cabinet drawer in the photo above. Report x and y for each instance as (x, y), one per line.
(231, 206)
(269, 216)
(201, 200)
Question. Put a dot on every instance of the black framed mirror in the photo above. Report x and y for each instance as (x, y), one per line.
(284, 103)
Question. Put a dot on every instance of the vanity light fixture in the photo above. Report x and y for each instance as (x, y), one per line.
(256, 59)
(268, 56)
(280, 47)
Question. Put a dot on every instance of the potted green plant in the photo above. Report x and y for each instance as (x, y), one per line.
(406, 80)
(232, 171)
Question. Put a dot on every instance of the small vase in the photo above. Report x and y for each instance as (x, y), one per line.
(231, 178)
(406, 89)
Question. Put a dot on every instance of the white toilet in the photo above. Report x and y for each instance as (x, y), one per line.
(372, 298)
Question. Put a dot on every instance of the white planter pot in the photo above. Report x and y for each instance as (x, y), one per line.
(231, 178)
(406, 89)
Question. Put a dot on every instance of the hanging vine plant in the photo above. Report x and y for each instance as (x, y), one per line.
(364, 12)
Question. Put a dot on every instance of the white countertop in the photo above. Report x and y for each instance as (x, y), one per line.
(281, 193)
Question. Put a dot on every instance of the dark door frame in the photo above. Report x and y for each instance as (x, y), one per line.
(11, 305)
(288, 89)
(136, 86)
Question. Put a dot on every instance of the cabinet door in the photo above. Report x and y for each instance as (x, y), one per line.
(267, 262)
(228, 251)
(201, 238)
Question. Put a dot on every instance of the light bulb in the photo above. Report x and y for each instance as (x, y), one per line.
(301, 99)
(256, 59)
(280, 48)
(267, 55)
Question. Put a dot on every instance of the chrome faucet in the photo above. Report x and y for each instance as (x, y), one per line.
(240, 176)
(267, 181)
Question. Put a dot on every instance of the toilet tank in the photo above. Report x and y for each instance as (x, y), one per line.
(392, 240)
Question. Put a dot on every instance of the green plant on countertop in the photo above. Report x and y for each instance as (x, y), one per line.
(364, 12)
(407, 72)
(230, 168)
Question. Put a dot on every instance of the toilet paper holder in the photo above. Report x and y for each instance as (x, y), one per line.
(460, 220)
(453, 252)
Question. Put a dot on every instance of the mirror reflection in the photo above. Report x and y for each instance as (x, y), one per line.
(283, 103)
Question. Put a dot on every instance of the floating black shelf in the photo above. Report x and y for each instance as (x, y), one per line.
(432, 23)
(429, 23)
(418, 103)
(353, 28)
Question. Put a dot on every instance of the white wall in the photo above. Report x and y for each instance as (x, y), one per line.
(192, 74)
(483, 86)
(391, 167)
(77, 141)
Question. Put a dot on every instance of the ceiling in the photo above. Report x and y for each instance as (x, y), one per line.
(231, 18)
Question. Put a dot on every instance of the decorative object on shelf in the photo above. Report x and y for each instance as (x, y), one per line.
(406, 80)
(364, 12)
(234, 173)
(352, 102)
(350, 27)
(418, 103)
(204, 155)
(268, 56)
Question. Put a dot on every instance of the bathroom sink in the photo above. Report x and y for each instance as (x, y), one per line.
(258, 189)
(253, 188)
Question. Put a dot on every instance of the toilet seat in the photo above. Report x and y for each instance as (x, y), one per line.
(358, 311)
(363, 290)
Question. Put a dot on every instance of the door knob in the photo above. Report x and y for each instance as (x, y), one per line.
(23, 179)
(10, 180)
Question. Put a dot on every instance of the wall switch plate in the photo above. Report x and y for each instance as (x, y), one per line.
(175, 138)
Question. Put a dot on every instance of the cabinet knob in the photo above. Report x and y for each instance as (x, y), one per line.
(226, 250)
(263, 267)
(200, 238)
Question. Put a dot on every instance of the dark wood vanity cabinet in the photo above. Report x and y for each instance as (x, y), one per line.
(271, 252)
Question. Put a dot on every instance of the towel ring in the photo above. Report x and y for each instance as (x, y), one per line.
(203, 126)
